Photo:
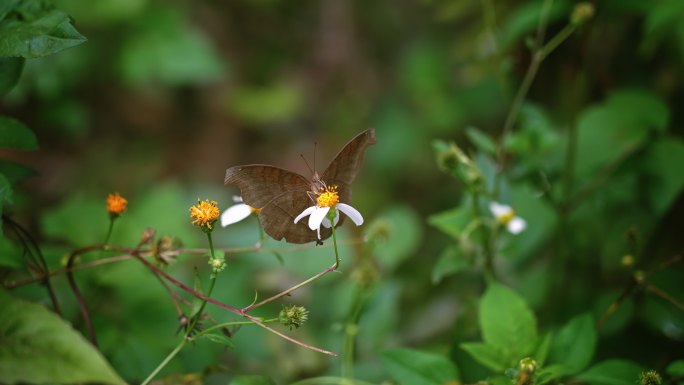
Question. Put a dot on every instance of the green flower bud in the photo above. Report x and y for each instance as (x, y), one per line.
(293, 316)
(650, 377)
(582, 12)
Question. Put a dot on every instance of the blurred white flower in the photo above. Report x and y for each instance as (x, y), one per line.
(505, 215)
(237, 212)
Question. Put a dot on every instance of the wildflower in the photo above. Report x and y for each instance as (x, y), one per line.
(116, 204)
(506, 216)
(238, 212)
(217, 264)
(204, 214)
(328, 207)
(293, 316)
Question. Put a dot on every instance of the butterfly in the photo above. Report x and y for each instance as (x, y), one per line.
(281, 195)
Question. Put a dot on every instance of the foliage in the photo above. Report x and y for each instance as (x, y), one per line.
(522, 205)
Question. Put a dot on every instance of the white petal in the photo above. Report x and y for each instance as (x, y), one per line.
(304, 213)
(237, 198)
(516, 225)
(317, 217)
(235, 214)
(351, 212)
(499, 210)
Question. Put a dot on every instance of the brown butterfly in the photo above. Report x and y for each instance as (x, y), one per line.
(282, 195)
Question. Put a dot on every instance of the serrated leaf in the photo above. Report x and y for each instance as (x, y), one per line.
(10, 70)
(487, 355)
(34, 29)
(574, 344)
(14, 134)
(415, 367)
(251, 380)
(219, 339)
(612, 372)
(507, 323)
(39, 347)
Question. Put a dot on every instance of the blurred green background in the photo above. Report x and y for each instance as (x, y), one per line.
(165, 95)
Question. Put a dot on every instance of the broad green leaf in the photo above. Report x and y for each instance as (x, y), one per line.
(550, 373)
(542, 350)
(573, 346)
(251, 380)
(481, 140)
(34, 28)
(507, 323)
(451, 261)
(404, 234)
(15, 172)
(39, 347)
(451, 222)
(14, 134)
(10, 70)
(612, 372)
(610, 132)
(487, 355)
(415, 367)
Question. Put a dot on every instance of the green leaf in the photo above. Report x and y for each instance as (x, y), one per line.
(39, 347)
(612, 372)
(451, 222)
(5, 193)
(550, 373)
(251, 380)
(10, 70)
(35, 28)
(15, 172)
(675, 368)
(219, 339)
(573, 346)
(14, 134)
(10, 254)
(481, 140)
(487, 355)
(666, 182)
(507, 323)
(415, 367)
(451, 261)
(542, 350)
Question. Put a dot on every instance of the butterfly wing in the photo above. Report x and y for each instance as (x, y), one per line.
(347, 163)
(281, 195)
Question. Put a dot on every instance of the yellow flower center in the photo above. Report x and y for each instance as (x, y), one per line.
(204, 213)
(506, 217)
(116, 204)
(328, 197)
(255, 210)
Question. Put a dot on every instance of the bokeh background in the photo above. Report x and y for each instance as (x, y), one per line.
(165, 95)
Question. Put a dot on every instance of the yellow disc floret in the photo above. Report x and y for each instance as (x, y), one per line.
(204, 213)
(116, 204)
(328, 197)
(506, 217)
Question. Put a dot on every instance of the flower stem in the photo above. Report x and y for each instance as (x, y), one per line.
(337, 254)
(109, 231)
(195, 318)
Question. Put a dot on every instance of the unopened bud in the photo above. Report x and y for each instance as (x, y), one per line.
(627, 260)
(217, 264)
(528, 365)
(581, 13)
(650, 377)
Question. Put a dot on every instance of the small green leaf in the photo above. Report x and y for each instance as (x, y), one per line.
(39, 347)
(612, 372)
(451, 261)
(481, 140)
(415, 367)
(507, 323)
(550, 373)
(34, 29)
(487, 355)
(574, 345)
(14, 134)
(219, 339)
(10, 70)
(451, 222)
(543, 349)
(251, 380)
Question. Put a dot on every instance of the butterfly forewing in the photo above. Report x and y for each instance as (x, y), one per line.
(347, 163)
(259, 183)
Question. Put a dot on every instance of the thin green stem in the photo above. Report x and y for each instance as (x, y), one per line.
(109, 231)
(351, 330)
(490, 274)
(233, 323)
(211, 245)
(168, 359)
(557, 40)
(337, 254)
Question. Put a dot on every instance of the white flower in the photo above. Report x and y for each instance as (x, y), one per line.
(236, 213)
(505, 215)
(318, 213)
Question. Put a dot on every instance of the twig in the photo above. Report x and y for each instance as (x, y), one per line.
(77, 293)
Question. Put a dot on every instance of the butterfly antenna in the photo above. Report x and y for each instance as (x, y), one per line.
(306, 163)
